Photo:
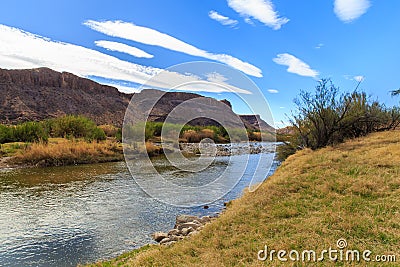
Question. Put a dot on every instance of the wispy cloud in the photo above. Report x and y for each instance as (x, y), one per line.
(261, 10)
(359, 78)
(20, 49)
(150, 36)
(249, 21)
(319, 46)
(273, 91)
(350, 10)
(123, 88)
(123, 48)
(222, 19)
(216, 77)
(295, 65)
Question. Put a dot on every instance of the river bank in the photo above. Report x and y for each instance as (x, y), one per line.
(59, 152)
(64, 152)
(349, 192)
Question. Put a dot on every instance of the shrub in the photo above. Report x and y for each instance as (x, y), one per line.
(29, 132)
(109, 130)
(75, 126)
(191, 136)
(326, 117)
(5, 134)
(95, 134)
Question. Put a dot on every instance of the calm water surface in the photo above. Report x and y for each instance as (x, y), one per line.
(63, 216)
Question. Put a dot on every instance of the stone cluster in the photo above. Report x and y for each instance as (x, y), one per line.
(185, 225)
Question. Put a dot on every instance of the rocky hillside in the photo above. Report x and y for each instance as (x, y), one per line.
(38, 94)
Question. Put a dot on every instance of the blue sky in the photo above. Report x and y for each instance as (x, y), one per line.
(282, 46)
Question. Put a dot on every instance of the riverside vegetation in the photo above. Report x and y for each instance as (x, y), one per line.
(327, 117)
(60, 141)
(75, 139)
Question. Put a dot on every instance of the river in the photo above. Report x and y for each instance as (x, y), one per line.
(64, 216)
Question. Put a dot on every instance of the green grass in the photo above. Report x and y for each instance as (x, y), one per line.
(11, 149)
(349, 191)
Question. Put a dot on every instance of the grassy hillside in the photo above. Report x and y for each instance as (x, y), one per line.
(350, 191)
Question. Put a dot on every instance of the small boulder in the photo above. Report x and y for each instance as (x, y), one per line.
(186, 231)
(188, 225)
(165, 240)
(175, 238)
(158, 236)
(193, 233)
(173, 232)
(184, 219)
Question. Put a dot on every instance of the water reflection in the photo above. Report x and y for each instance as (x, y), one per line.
(68, 215)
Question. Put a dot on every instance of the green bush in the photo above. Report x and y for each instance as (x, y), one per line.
(327, 116)
(29, 132)
(75, 126)
(68, 126)
(118, 135)
(5, 134)
(96, 134)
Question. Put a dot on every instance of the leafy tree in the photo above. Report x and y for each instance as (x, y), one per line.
(395, 92)
(327, 117)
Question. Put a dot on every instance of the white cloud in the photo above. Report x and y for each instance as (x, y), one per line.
(249, 21)
(216, 77)
(295, 65)
(261, 10)
(222, 19)
(150, 36)
(318, 46)
(272, 91)
(359, 78)
(206, 86)
(350, 10)
(123, 48)
(22, 50)
(122, 88)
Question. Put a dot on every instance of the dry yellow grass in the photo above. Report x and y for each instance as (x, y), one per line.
(109, 130)
(349, 191)
(60, 151)
(192, 136)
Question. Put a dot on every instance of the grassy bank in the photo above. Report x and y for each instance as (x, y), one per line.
(349, 191)
(61, 151)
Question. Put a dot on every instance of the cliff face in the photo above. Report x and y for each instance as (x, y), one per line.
(38, 94)
(254, 122)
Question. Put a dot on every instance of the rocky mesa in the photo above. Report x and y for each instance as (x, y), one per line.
(42, 93)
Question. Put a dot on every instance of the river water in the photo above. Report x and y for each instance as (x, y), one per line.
(64, 216)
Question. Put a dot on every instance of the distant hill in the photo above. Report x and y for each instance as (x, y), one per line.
(42, 93)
